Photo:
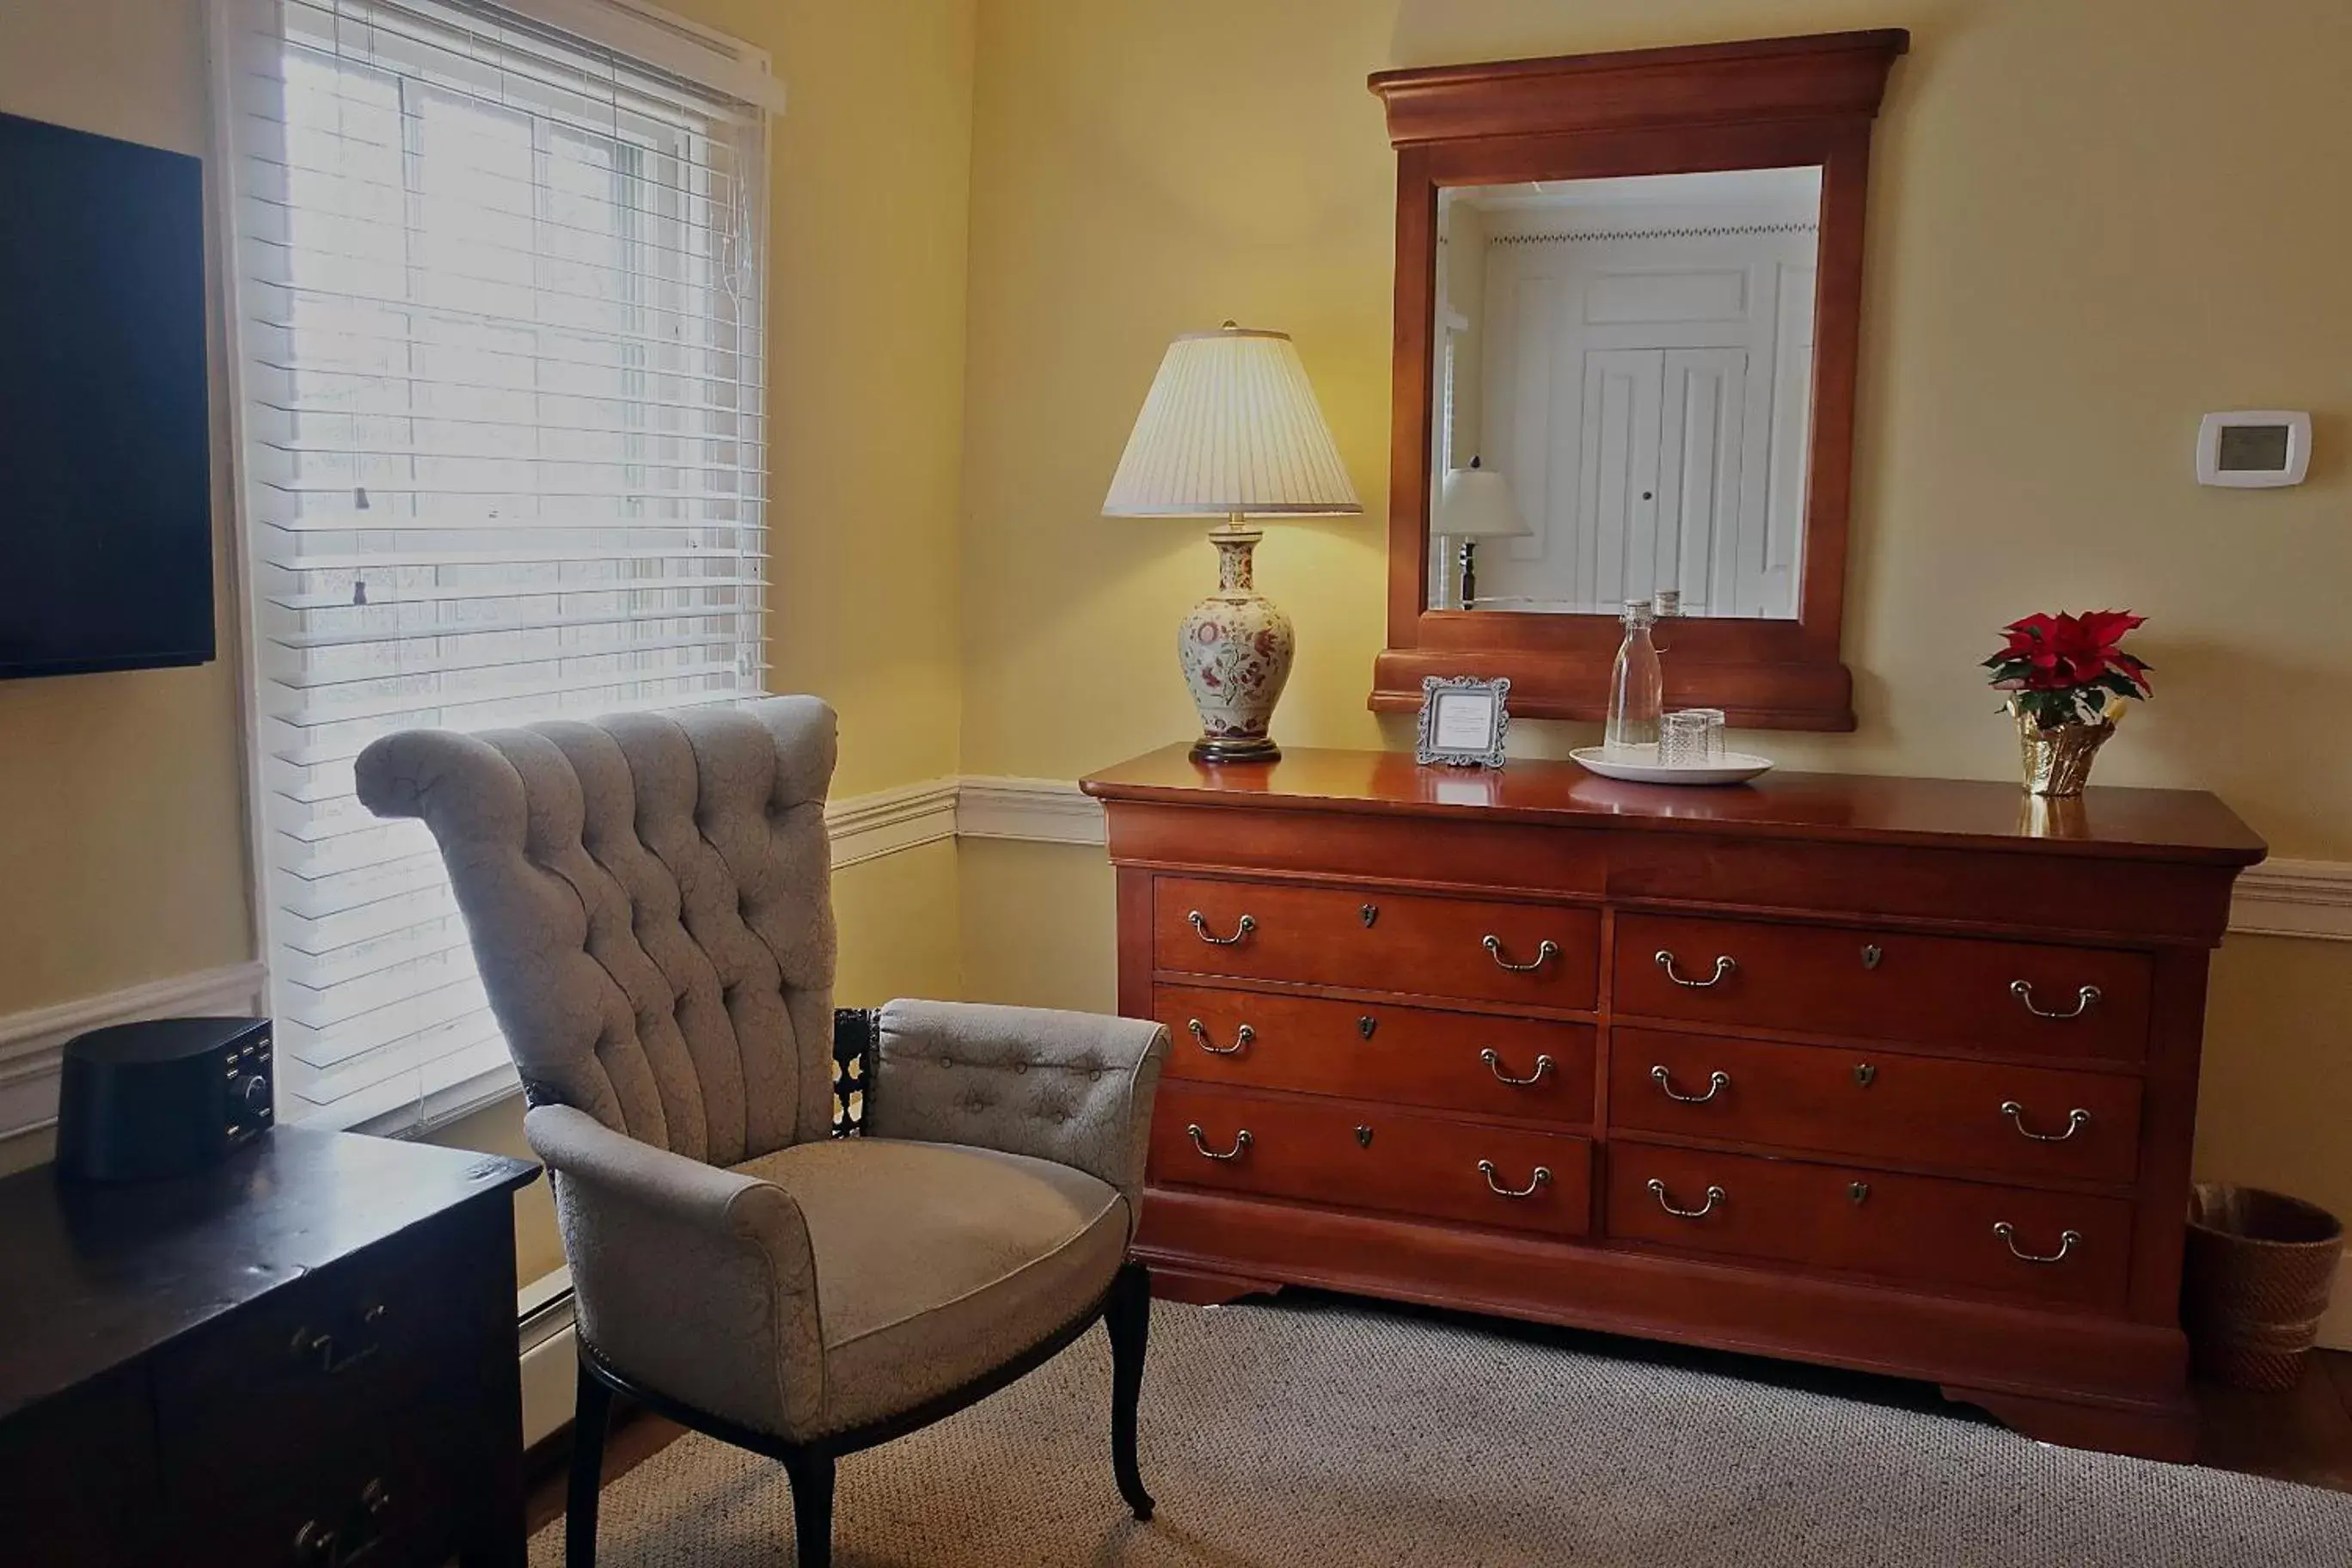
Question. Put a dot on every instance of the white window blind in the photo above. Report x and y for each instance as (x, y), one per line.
(499, 292)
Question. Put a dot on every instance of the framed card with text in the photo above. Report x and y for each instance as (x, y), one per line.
(1463, 720)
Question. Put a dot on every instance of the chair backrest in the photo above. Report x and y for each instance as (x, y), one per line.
(650, 901)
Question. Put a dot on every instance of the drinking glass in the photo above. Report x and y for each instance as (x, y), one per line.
(1683, 739)
(1714, 717)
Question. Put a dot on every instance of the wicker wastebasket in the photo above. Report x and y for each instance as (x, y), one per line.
(2255, 1281)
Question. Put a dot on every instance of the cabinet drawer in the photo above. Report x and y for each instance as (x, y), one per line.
(2000, 997)
(1544, 955)
(1371, 1157)
(1877, 1105)
(1928, 1231)
(329, 1402)
(1409, 1055)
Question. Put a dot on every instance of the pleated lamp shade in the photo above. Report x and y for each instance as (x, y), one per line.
(1231, 425)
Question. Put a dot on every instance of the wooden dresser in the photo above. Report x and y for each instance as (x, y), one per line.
(1896, 1074)
(303, 1355)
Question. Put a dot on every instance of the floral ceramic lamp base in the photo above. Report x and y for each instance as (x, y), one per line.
(1236, 648)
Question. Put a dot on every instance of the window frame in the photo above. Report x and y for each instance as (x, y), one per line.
(648, 37)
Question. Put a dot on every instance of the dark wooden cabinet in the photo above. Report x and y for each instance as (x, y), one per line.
(305, 1355)
(1896, 1074)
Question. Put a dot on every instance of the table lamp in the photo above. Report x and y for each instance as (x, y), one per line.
(1231, 428)
(1475, 503)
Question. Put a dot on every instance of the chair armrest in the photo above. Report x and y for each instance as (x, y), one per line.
(1072, 1088)
(693, 1280)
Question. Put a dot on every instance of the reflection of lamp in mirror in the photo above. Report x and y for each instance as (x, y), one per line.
(1231, 428)
(1476, 503)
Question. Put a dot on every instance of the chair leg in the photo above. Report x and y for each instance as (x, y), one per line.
(591, 1410)
(1129, 1318)
(811, 1475)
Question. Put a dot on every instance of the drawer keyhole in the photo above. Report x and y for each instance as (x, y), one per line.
(1858, 1192)
(1365, 1024)
(1870, 954)
(1863, 1075)
(1363, 1137)
(1368, 913)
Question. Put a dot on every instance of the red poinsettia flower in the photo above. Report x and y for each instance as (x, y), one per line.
(2067, 666)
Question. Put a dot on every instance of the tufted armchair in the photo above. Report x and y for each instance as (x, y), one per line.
(648, 898)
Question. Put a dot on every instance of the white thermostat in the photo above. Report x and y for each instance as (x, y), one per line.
(2253, 450)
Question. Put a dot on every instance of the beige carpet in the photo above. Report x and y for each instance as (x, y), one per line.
(1330, 1433)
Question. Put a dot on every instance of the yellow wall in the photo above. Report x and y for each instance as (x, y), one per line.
(122, 856)
(2091, 221)
(122, 851)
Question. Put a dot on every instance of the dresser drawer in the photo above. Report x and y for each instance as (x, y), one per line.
(1371, 1157)
(1877, 1105)
(1998, 997)
(1528, 1068)
(352, 1377)
(1927, 1231)
(1543, 955)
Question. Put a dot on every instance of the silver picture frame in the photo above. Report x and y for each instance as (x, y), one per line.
(1462, 721)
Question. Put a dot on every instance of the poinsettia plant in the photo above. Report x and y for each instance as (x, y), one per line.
(2069, 670)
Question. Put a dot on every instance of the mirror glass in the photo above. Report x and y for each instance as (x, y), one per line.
(1633, 360)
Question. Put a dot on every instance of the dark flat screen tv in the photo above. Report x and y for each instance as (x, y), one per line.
(106, 553)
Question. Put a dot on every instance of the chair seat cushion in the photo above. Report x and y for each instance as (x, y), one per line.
(939, 1262)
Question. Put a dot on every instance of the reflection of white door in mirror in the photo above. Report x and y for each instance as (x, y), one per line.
(1636, 355)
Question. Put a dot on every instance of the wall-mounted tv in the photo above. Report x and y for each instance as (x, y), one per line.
(106, 554)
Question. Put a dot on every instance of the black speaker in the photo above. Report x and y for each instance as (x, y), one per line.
(161, 1097)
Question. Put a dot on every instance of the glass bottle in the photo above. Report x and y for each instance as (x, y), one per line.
(1636, 690)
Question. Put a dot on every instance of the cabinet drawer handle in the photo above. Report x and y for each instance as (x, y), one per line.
(1724, 967)
(1241, 1143)
(1542, 1178)
(1716, 1083)
(1546, 951)
(1658, 1191)
(2068, 1240)
(322, 1349)
(1200, 929)
(1242, 1037)
(2085, 1000)
(2075, 1121)
(315, 1545)
(1495, 1062)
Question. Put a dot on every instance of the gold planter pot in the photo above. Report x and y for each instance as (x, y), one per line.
(2057, 762)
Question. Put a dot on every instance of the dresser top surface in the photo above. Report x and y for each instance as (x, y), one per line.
(2121, 824)
(100, 1275)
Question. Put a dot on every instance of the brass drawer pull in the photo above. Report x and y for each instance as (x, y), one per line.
(1241, 1143)
(1658, 1191)
(1724, 967)
(1542, 1178)
(1242, 1037)
(2075, 1121)
(315, 1545)
(323, 1347)
(1716, 1083)
(1495, 1062)
(1200, 929)
(1546, 951)
(2068, 1240)
(2085, 1000)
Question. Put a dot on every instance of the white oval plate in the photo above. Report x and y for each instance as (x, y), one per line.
(1736, 767)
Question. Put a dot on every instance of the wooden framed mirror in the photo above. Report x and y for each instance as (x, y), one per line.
(1630, 285)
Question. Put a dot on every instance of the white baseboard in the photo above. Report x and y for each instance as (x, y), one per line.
(31, 1043)
(549, 1354)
